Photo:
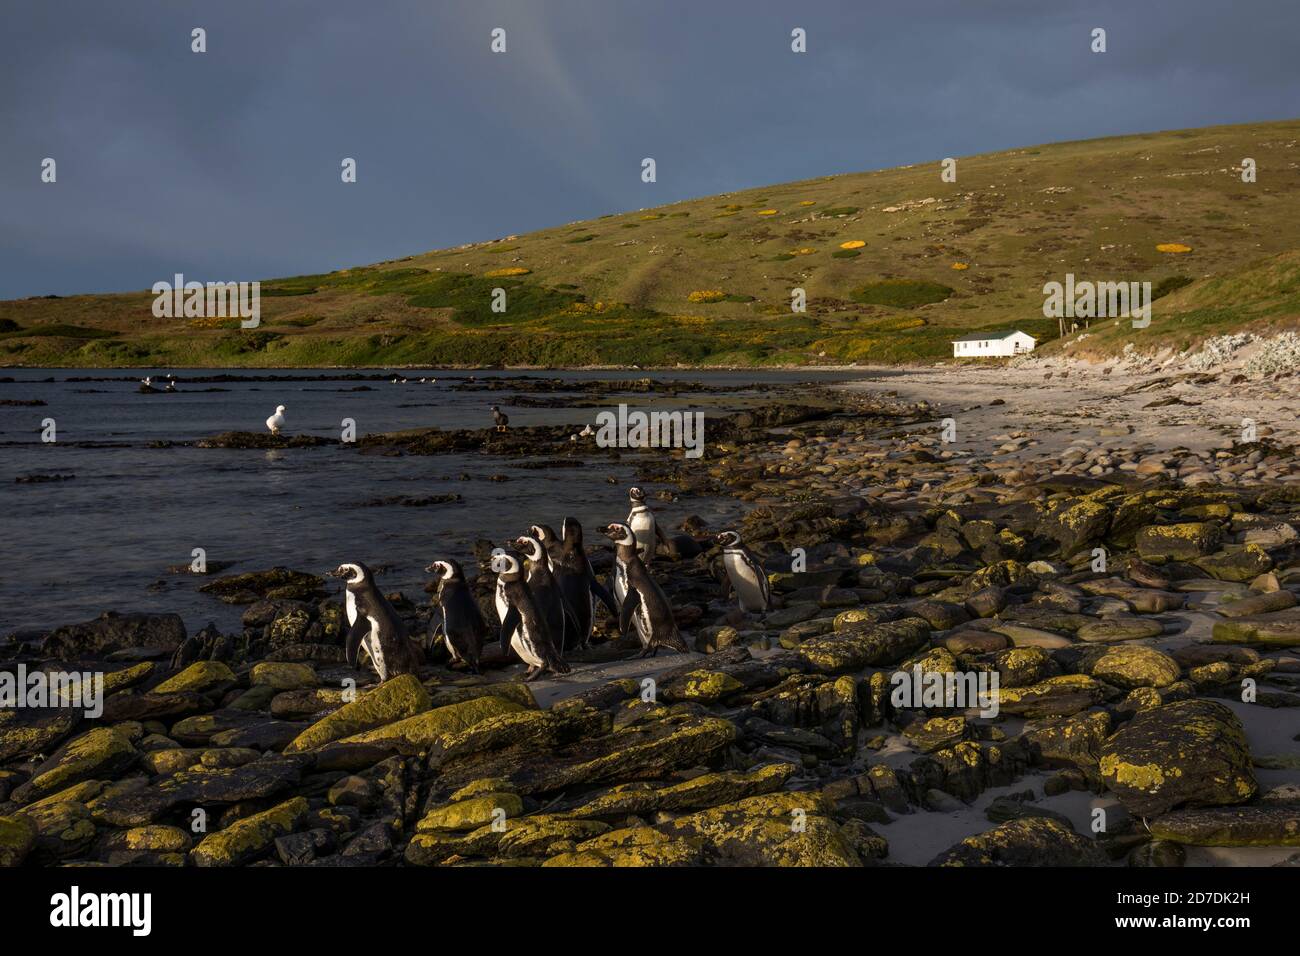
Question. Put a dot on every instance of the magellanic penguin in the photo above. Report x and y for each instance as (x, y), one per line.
(548, 597)
(745, 575)
(546, 535)
(578, 582)
(462, 625)
(642, 522)
(645, 603)
(524, 629)
(500, 418)
(374, 625)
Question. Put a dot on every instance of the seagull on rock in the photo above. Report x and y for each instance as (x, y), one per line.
(276, 421)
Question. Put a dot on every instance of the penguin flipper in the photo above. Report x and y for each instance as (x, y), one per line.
(508, 627)
(356, 635)
(630, 604)
(603, 595)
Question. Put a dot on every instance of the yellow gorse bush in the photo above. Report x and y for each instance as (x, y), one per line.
(1173, 247)
(852, 244)
(960, 266)
(707, 295)
(767, 212)
(509, 271)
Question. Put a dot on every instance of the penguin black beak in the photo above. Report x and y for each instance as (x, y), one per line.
(431, 569)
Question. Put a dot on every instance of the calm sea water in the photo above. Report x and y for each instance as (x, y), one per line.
(104, 540)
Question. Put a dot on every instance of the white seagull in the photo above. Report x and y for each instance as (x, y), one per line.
(276, 421)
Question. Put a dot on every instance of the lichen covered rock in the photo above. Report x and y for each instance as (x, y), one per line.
(403, 696)
(246, 839)
(1187, 753)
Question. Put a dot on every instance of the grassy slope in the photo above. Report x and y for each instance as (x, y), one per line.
(617, 290)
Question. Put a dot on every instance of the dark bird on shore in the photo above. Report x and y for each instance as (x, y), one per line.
(644, 603)
(374, 624)
(745, 575)
(523, 628)
(500, 418)
(462, 626)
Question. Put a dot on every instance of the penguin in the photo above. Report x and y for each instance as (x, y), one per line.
(547, 595)
(276, 421)
(374, 625)
(646, 605)
(745, 575)
(500, 418)
(550, 541)
(642, 522)
(578, 582)
(462, 625)
(524, 629)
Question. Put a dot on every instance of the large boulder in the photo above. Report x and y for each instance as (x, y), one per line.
(132, 806)
(423, 730)
(27, 731)
(101, 753)
(859, 646)
(646, 750)
(1134, 665)
(1076, 739)
(777, 829)
(17, 837)
(115, 632)
(1178, 542)
(1275, 825)
(249, 838)
(1027, 841)
(1188, 753)
(633, 846)
(403, 696)
(198, 677)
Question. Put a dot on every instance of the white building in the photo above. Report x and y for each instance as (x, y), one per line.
(982, 344)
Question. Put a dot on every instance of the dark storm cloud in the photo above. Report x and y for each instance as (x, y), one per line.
(226, 165)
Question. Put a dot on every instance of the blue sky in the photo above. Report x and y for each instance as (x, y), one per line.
(225, 165)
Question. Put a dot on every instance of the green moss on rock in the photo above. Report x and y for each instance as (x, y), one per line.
(403, 696)
(246, 839)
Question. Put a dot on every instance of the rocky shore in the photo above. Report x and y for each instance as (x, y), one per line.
(1119, 570)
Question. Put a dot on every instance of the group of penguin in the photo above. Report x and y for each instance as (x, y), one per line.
(546, 597)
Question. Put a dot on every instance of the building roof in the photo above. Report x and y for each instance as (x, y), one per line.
(984, 336)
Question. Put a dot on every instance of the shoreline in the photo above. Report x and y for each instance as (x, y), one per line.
(963, 555)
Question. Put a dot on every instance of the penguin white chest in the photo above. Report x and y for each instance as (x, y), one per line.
(350, 602)
(375, 650)
(620, 582)
(526, 646)
(744, 579)
(642, 523)
(499, 597)
(642, 618)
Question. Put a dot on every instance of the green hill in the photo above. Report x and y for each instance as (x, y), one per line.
(894, 264)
